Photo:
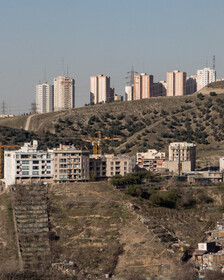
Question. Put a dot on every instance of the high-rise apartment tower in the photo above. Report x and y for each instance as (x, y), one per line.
(100, 90)
(64, 93)
(176, 83)
(44, 98)
(143, 86)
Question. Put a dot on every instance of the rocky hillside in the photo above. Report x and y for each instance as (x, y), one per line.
(97, 229)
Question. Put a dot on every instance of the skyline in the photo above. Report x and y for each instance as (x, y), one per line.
(103, 37)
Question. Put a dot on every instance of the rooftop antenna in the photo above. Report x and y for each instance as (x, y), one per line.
(63, 68)
(45, 76)
(213, 64)
(67, 71)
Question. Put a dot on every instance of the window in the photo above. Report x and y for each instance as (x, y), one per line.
(36, 162)
(17, 156)
(48, 167)
(125, 163)
(35, 167)
(35, 172)
(34, 156)
(25, 173)
(24, 156)
(25, 161)
(25, 167)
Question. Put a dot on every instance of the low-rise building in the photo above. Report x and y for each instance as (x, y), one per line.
(70, 164)
(97, 167)
(119, 164)
(182, 154)
(152, 160)
(28, 164)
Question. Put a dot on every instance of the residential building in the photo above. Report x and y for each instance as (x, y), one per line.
(128, 93)
(70, 164)
(152, 160)
(210, 254)
(204, 77)
(183, 152)
(28, 164)
(191, 84)
(143, 86)
(44, 98)
(159, 89)
(97, 167)
(100, 91)
(118, 97)
(176, 83)
(119, 164)
(64, 93)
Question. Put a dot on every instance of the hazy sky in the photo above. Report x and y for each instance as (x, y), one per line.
(103, 37)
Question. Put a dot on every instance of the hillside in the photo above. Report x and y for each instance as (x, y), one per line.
(103, 230)
(141, 124)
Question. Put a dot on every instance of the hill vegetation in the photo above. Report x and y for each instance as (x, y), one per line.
(140, 125)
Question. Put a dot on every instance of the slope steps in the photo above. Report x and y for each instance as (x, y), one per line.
(32, 222)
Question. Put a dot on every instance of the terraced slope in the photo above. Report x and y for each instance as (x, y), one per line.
(31, 221)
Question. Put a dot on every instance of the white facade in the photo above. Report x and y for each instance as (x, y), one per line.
(204, 77)
(100, 90)
(64, 93)
(221, 164)
(44, 98)
(128, 93)
(28, 164)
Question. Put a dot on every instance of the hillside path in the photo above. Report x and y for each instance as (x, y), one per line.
(27, 125)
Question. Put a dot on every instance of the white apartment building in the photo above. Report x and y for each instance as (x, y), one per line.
(100, 90)
(28, 164)
(204, 77)
(128, 93)
(44, 98)
(70, 164)
(119, 164)
(64, 93)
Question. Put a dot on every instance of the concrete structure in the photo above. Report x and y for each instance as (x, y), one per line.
(184, 152)
(159, 89)
(128, 93)
(70, 164)
(44, 98)
(204, 77)
(191, 84)
(152, 160)
(119, 164)
(204, 176)
(28, 164)
(118, 97)
(210, 254)
(143, 86)
(100, 91)
(97, 167)
(221, 164)
(64, 93)
(176, 83)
